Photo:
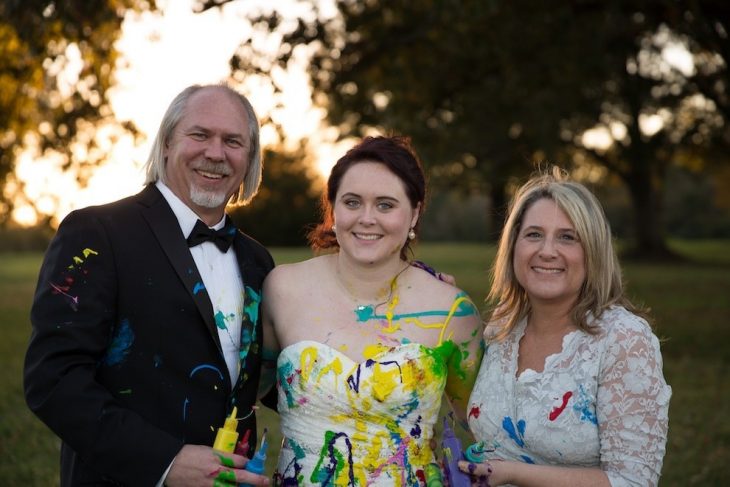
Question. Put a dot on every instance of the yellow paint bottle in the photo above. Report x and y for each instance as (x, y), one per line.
(226, 437)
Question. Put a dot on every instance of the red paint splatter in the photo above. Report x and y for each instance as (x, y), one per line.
(474, 411)
(556, 411)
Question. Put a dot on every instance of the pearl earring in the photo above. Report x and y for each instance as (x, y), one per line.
(334, 228)
(411, 234)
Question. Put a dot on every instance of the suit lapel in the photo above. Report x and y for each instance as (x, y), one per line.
(166, 228)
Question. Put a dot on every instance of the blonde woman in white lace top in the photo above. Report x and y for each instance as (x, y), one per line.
(571, 390)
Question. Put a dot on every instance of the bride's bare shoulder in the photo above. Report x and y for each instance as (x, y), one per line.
(299, 272)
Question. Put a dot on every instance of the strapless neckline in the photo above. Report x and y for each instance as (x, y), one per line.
(385, 349)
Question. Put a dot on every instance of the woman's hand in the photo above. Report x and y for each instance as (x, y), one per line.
(481, 473)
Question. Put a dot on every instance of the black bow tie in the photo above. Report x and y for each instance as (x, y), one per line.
(222, 238)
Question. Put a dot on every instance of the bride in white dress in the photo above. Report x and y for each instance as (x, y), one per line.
(369, 343)
(571, 390)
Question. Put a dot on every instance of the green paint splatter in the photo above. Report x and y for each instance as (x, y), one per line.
(225, 478)
(453, 356)
(226, 462)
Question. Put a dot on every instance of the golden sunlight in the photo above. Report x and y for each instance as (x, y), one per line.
(161, 54)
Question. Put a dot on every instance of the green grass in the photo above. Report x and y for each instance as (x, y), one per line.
(690, 303)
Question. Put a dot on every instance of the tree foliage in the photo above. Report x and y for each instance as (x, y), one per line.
(485, 88)
(286, 204)
(57, 61)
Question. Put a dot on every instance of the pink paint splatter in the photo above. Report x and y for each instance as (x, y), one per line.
(558, 410)
(62, 290)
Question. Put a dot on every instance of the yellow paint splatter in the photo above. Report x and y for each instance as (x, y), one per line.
(87, 252)
(334, 366)
(308, 359)
(384, 382)
(374, 350)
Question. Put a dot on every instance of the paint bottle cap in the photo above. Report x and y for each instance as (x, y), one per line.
(476, 452)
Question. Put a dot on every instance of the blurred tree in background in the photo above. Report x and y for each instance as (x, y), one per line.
(632, 96)
(57, 62)
(286, 202)
(627, 89)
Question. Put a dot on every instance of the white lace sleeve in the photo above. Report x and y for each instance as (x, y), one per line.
(632, 403)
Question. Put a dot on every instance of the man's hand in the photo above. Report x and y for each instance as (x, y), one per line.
(202, 466)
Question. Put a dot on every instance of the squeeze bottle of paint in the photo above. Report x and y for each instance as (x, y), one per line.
(452, 454)
(256, 464)
(226, 436)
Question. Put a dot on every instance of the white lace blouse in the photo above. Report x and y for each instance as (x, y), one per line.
(602, 401)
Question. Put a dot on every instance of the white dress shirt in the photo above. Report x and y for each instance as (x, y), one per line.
(222, 280)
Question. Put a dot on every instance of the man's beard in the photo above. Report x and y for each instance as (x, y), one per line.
(207, 199)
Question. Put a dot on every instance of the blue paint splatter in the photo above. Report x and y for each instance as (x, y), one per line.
(365, 313)
(354, 381)
(583, 405)
(252, 301)
(527, 459)
(416, 430)
(185, 408)
(517, 434)
(285, 374)
(206, 366)
(199, 286)
(245, 343)
(220, 320)
(120, 346)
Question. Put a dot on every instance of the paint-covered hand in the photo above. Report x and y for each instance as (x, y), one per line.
(202, 466)
(489, 473)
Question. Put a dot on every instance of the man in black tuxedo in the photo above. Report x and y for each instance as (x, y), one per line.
(146, 324)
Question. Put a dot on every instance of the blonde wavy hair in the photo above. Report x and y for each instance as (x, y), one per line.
(603, 286)
(155, 166)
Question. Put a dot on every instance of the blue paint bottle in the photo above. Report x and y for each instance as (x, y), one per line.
(257, 463)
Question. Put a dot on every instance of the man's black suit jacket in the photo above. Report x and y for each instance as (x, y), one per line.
(124, 362)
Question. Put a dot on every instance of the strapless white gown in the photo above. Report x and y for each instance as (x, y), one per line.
(357, 423)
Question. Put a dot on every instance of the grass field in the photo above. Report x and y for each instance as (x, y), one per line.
(690, 303)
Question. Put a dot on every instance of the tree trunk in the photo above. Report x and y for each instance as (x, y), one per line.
(646, 200)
